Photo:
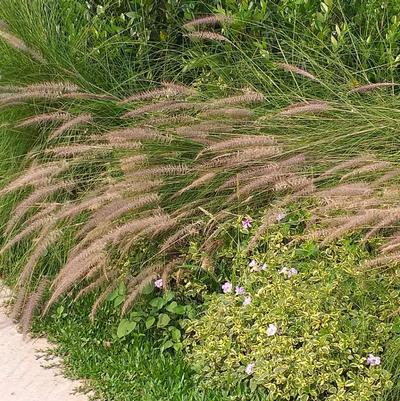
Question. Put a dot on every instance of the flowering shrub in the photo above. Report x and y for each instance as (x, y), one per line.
(307, 326)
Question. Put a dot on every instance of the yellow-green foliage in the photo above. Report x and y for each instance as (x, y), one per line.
(328, 319)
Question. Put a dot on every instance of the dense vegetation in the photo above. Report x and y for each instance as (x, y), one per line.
(220, 196)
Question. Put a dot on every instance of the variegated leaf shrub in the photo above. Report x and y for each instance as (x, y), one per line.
(296, 322)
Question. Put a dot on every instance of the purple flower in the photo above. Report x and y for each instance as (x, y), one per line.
(246, 223)
(159, 283)
(227, 287)
(280, 216)
(247, 300)
(240, 290)
(271, 331)
(373, 360)
(250, 368)
(263, 266)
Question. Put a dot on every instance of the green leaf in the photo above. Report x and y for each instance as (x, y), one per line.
(253, 385)
(157, 303)
(148, 289)
(113, 295)
(122, 289)
(171, 307)
(150, 321)
(177, 346)
(175, 334)
(118, 300)
(136, 313)
(163, 320)
(180, 310)
(125, 327)
(396, 325)
(166, 345)
(119, 291)
(169, 296)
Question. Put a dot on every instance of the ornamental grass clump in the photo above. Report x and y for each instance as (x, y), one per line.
(136, 188)
(294, 330)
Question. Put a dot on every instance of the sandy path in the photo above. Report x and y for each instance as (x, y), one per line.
(22, 375)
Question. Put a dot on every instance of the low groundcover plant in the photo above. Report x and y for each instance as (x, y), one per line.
(300, 328)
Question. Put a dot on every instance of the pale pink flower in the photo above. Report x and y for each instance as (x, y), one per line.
(280, 216)
(227, 287)
(373, 360)
(247, 300)
(240, 290)
(246, 223)
(254, 266)
(250, 368)
(284, 270)
(271, 331)
(289, 273)
(158, 283)
(253, 263)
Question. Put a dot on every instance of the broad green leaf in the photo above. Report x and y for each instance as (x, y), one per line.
(163, 320)
(180, 310)
(171, 307)
(167, 344)
(125, 327)
(396, 325)
(113, 295)
(150, 321)
(168, 296)
(177, 346)
(175, 334)
(122, 288)
(157, 303)
(136, 313)
(118, 300)
(148, 289)
(253, 385)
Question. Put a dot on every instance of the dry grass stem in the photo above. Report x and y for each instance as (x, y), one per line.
(164, 106)
(249, 96)
(18, 44)
(369, 168)
(208, 20)
(207, 35)
(71, 124)
(316, 106)
(39, 194)
(168, 89)
(41, 118)
(234, 113)
(32, 305)
(296, 70)
(205, 178)
(371, 87)
(35, 175)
